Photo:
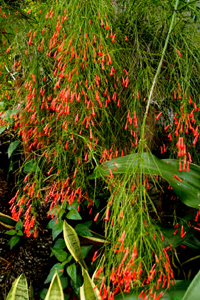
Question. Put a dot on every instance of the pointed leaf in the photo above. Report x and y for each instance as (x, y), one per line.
(71, 271)
(31, 167)
(73, 215)
(73, 243)
(12, 147)
(60, 254)
(13, 241)
(2, 129)
(58, 268)
(19, 289)
(55, 291)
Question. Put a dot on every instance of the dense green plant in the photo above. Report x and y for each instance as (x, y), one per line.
(85, 83)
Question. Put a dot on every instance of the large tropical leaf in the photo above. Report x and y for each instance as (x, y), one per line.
(193, 289)
(187, 189)
(7, 221)
(55, 291)
(73, 243)
(19, 289)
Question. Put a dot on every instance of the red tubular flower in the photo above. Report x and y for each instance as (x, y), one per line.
(107, 214)
(177, 178)
(96, 217)
(94, 256)
(158, 116)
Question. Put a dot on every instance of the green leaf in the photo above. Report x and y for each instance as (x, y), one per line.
(187, 190)
(19, 225)
(59, 254)
(73, 243)
(31, 167)
(55, 291)
(20, 233)
(71, 271)
(51, 223)
(87, 291)
(12, 147)
(85, 250)
(59, 244)
(2, 129)
(57, 229)
(1, 104)
(43, 293)
(19, 289)
(83, 230)
(7, 221)
(57, 267)
(193, 289)
(11, 232)
(13, 241)
(64, 282)
(175, 240)
(73, 215)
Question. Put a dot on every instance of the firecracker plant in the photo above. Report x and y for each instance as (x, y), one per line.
(84, 83)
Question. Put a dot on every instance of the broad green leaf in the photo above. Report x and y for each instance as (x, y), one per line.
(85, 250)
(7, 221)
(43, 293)
(64, 282)
(2, 129)
(71, 271)
(51, 223)
(57, 229)
(11, 232)
(59, 254)
(55, 291)
(88, 290)
(1, 104)
(31, 167)
(19, 225)
(57, 267)
(12, 147)
(187, 190)
(83, 230)
(19, 289)
(59, 244)
(13, 241)
(73, 215)
(73, 243)
(192, 292)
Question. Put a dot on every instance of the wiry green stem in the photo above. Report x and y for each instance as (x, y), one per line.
(158, 71)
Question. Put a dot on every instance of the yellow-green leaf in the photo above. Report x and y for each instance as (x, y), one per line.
(55, 291)
(73, 243)
(19, 289)
(88, 291)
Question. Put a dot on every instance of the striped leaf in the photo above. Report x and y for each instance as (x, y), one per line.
(55, 291)
(73, 243)
(19, 289)
(88, 291)
(7, 221)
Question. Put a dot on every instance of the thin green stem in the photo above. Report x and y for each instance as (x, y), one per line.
(158, 70)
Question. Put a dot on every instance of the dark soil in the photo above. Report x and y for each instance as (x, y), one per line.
(30, 256)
